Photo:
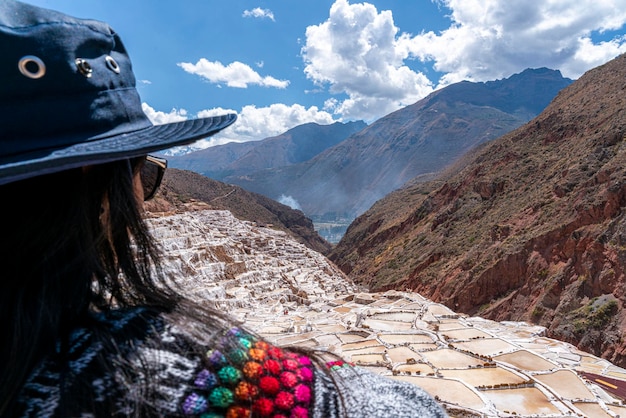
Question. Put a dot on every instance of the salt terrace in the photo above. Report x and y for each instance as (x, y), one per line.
(292, 295)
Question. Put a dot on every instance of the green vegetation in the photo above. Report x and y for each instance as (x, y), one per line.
(594, 315)
(538, 311)
(484, 307)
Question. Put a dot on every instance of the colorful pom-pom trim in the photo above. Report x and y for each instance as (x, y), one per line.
(246, 377)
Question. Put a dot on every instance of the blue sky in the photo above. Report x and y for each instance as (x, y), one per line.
(282, 63)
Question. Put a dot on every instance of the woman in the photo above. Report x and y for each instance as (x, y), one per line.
(91, 326)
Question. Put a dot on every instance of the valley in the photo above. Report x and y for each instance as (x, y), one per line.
(292, 295)
(339, 171)
(524, 227)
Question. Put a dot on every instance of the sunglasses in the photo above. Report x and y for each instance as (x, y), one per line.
(151, 174)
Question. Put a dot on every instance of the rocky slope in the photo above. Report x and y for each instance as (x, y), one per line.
(528, 227)
(181, 187)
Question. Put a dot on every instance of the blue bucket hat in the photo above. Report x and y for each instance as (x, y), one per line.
(68, 97)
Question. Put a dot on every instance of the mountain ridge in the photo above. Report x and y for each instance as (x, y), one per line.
(421, 138)
(295, 145)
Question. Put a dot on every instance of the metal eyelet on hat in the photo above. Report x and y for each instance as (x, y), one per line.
(84, 67)
(32, 66)
(112, 64)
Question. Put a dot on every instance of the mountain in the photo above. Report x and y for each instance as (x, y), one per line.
(423, 138)
(239, 159)
(528, 227)
(182, 190)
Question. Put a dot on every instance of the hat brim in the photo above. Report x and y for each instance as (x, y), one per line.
(112, 148)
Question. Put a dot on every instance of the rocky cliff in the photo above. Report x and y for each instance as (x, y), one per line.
(531, 226)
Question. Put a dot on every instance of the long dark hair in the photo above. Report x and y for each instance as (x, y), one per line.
(72, 242)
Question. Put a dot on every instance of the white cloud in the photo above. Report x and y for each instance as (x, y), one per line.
(259, 13)
(160, 118)
(252, 124)
(255, 123)
(235, 74)
(358, 51)
(490, 39)
(289, 201)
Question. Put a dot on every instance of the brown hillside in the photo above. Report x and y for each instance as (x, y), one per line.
(180, 187)
(531, 227)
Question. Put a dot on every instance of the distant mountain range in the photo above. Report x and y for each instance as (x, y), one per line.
(528, 227)
(339, 171)
(238, 159)
(334, 173)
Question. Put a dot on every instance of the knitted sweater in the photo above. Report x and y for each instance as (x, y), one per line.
(167, 372)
